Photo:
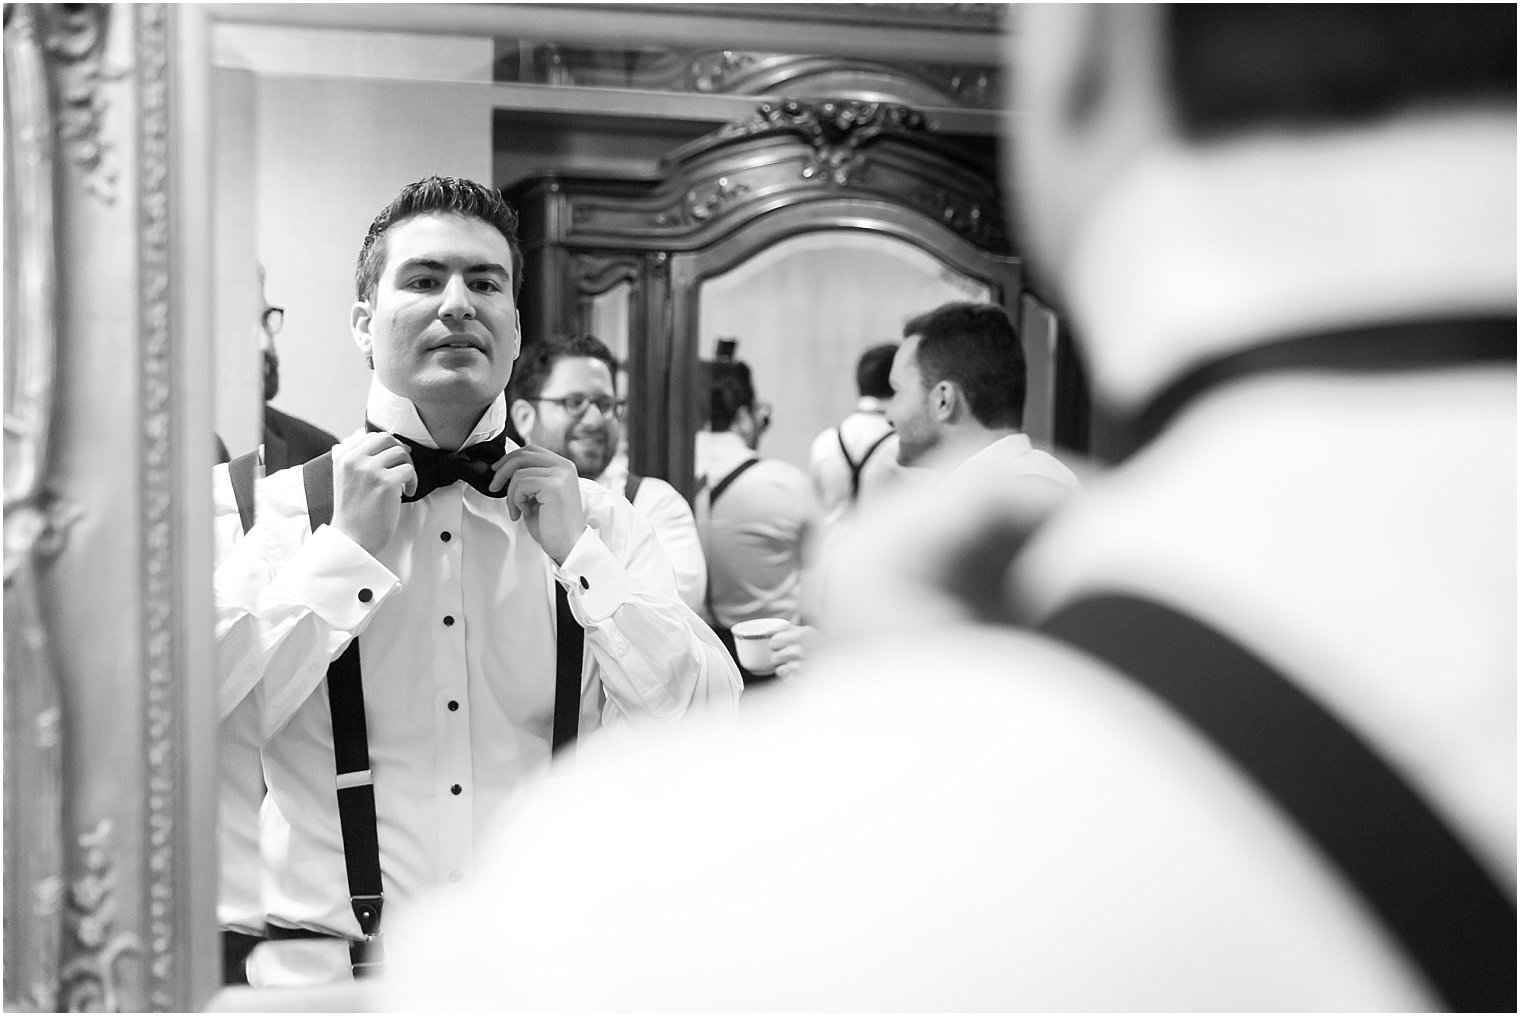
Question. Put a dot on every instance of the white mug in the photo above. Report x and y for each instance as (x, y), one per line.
(752, 641)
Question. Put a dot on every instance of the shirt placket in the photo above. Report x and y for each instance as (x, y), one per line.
(455, 772)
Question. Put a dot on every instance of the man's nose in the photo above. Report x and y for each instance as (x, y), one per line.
(456, 300)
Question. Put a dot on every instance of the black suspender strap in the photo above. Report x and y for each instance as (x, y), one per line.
(712, 498)
(355, 783)
(1422, 881)
(728, 480)
(570, 644)
(243, 472)
(856, 467)
(631, 486)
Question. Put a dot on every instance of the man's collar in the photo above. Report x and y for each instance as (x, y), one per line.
(1005, 448)
(397, 414)
(1247, 241)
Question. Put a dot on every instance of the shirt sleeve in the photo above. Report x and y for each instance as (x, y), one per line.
(237, 656)
(675, 525)
(300, 597)
(655, 658)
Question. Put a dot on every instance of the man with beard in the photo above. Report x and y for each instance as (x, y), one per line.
(563, 397)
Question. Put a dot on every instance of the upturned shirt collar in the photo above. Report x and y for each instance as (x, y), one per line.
(1004, 449)
(397, 414)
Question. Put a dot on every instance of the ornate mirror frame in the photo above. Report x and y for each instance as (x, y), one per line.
(110, 864)
(110, 755)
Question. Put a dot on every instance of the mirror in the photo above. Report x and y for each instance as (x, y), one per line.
(802, 301)
(318, 115)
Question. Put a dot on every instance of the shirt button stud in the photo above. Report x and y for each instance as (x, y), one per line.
(453, 706)
(445, 536)
(584, 583)
(365, 595)
(448, 619)
(456, 790)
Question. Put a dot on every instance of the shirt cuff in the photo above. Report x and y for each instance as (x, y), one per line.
(337, 580)
(595, 578)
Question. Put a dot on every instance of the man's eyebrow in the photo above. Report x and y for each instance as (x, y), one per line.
(432, 265)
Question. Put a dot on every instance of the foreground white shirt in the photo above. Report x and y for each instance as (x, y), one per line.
(997, 822)
(457, 619)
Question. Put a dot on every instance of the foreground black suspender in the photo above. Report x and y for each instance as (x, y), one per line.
(1422, 881)
(345, 696)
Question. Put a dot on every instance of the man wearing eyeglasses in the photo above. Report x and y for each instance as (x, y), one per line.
(288, 440)
(563, 397)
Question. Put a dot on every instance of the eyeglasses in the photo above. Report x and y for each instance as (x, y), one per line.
(577, 404)
(274, 320)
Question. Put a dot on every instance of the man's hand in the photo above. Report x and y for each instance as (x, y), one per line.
(370, 473)
(791, 647)
(545, 489)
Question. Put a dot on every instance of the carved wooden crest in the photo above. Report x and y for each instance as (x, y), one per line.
(786, 152)
(836, 129)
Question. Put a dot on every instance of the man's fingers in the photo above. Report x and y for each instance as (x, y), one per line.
(519, 471)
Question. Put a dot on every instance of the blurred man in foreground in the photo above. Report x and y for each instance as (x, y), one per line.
(1280, 774)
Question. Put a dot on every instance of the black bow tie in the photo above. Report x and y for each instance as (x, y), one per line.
(436, 468)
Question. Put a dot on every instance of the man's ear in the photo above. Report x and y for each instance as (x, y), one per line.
(516, 333)
(524, 416)
(944, 398)
(359, 321)
(743, 421)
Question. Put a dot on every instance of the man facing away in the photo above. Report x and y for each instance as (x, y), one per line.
(958, 382)
(1316, 444)
(756, 516)
(563, 397)
(855, 462)
(452, 556)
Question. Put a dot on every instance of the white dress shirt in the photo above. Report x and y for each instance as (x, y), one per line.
(830, 473)
(458, 658)
(1016, 456)
(756, 536)
(673, 522)
(240, 782)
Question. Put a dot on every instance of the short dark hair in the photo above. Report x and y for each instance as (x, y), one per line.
(436, 194)
(730, 388)
(873, 372)
(974, 346)
(537, 362)
(1237, 66)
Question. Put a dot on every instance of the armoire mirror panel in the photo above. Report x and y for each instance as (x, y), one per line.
(804, 309)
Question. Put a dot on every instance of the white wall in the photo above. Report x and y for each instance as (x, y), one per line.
(236, 307)
(344, 120)
(805, 309)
